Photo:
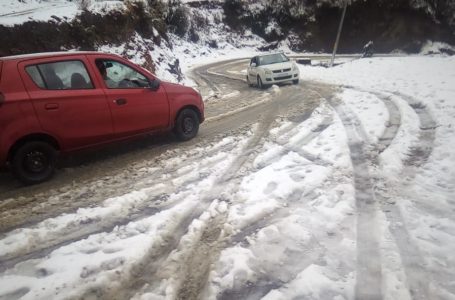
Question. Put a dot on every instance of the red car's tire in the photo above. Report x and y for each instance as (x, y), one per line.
(34, 162)
(186, 125)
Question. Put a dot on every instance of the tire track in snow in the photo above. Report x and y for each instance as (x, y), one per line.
(393, 123)
(213, 80)
(90, 193)
(410, 255)
(312, 251)
(309, 253)
(147, 271)
(369, 277)
(47, 247)
(205, 251)
(264, 285)
(413, 262)
(422, 150)
(154, 203)
(208, 248)
(296, 195)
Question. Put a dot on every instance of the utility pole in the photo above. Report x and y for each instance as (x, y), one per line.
(335, 47)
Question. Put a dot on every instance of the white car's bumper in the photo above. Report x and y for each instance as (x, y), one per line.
(281, 77)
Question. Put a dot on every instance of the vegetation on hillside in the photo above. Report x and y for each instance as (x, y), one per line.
(312, 24)
(304, 24)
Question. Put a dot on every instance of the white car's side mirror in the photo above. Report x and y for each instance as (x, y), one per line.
(253, 65)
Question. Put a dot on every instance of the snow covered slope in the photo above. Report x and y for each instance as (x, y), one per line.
(17, 12)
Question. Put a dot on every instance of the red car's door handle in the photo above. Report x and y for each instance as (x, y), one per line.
(121, 101)
(51, 106)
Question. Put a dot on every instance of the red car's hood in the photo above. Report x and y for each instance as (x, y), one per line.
(175, 88)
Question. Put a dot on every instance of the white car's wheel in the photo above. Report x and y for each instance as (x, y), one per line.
(249, 81)
(259, 83)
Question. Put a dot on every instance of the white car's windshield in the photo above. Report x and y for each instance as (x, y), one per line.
(272, 59)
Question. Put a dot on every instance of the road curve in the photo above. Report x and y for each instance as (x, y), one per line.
(87, 178)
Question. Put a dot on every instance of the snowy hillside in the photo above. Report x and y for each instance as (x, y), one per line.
(306, 25)
(14, 12)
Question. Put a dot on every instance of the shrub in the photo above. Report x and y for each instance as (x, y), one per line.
(193, 35)
(213, 44)
(199, 21)
(177, 18)
(233, 11)
(141, 18)
(84, 4)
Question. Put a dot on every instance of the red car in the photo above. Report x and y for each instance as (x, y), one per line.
(53, 103)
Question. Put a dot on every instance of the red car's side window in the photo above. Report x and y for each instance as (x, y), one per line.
(120, 76)
(36, 76)
(62, 75)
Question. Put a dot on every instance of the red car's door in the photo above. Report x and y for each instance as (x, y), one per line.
(135, 107)
(67, 101)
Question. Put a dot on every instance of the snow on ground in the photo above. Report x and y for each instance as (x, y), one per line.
(303, 203)
(104, 258)
(14, 12)
(410, 81)
(431, 47)
(419, 165)
(370, 110)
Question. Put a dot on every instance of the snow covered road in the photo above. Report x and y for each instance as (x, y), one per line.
(314, 191)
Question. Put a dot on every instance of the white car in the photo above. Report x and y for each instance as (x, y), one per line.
(265, 70)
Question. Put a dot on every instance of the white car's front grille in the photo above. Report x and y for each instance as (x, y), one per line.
(281, 71)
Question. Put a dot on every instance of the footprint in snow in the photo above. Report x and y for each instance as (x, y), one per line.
(297, 177)
(271, 186)
(111, 250)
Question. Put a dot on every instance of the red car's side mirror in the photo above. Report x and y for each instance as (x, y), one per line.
(154, 84)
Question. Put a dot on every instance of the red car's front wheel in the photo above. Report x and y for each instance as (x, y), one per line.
(187, 125)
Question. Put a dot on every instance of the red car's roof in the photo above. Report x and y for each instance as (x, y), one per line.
(49, 54)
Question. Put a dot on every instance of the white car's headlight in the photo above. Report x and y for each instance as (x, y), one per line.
(294, 67)
(267, 72)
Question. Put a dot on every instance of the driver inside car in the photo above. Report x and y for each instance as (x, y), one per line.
(103, 71)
